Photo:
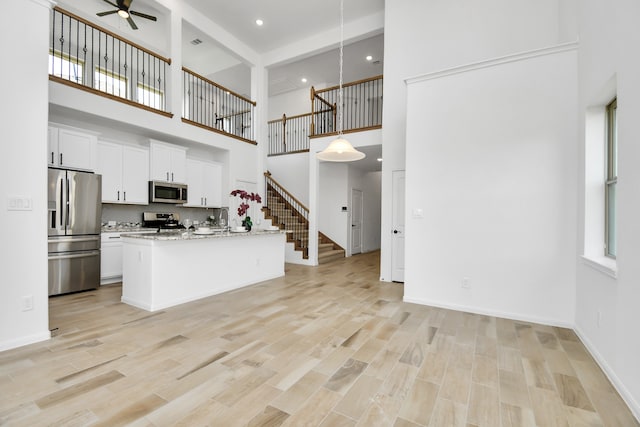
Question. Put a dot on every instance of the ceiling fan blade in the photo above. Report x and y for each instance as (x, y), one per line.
(143, 15)
(133, 24)
(111, 3)
(111, 12)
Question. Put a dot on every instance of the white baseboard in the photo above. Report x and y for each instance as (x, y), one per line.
(22, 341)
(611, 375)
(494, 313)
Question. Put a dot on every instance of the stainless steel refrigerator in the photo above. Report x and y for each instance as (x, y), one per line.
(74, 215)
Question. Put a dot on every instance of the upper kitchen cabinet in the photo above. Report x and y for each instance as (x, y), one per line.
(125, 173)
(71, 149)
(205, 184)
(168, 162)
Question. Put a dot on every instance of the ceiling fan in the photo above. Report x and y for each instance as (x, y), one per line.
(124, 12)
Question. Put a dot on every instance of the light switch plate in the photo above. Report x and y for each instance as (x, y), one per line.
(19, 203)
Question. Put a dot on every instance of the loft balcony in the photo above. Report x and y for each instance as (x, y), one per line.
(362, 111)
(93, 59)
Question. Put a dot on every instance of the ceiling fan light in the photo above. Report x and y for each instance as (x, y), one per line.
(340, 150)
(123, 13)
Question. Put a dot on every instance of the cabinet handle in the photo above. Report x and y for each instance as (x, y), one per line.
(60, 159)
(118, 195)
(171, 176)
(52, 157)
(205, 201)
(167, 176)
(124, 196)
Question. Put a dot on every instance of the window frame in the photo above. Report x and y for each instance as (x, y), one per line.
(611, 180)
(56, 54)
(151, 90)
(112, 75)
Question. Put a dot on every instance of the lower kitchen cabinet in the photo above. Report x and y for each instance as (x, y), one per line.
(111, 256)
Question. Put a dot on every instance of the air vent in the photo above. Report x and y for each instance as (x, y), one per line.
(196, 42)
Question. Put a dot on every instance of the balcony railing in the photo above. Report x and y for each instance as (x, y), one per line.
(362, 107)
(92, 58)
(212, 106)
(289, 135)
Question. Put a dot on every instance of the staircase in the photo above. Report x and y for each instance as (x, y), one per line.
(328, 250)
(286, 212)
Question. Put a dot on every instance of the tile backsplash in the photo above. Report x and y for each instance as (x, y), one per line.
(133, 213)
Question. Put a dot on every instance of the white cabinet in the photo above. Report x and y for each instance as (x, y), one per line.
(125, 173)
(69, 148)
(168, 162)
(111, 256)
(205, 184)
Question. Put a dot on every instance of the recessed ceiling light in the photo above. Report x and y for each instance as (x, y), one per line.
(379, 159)
(259, 22)
(303, 80)
(369, 58)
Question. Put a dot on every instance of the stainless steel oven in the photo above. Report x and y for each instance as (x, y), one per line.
(167, 192)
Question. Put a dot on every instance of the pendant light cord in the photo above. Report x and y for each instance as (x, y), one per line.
(340, 95)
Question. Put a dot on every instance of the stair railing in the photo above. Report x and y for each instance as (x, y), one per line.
(94, 59)
(298, 223)
(214, 107)
(362, 109)
(289, 135)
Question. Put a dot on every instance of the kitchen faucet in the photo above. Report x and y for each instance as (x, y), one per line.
(226, 211)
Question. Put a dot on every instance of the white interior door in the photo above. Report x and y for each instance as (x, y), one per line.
(397, 246)
(356, 221)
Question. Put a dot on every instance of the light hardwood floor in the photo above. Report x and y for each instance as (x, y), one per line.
(325, 346)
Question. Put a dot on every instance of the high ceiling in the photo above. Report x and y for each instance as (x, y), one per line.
(285, 21)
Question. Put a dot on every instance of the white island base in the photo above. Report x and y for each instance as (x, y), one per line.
(160, 272)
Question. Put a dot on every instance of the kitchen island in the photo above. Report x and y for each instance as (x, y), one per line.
(165, 269)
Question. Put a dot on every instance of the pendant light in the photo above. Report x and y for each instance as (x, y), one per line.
(340, 150)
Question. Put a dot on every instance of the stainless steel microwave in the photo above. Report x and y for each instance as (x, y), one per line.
(167, 192)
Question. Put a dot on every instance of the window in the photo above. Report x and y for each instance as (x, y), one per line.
(150, 96)
(611, 180)
(109, 82)
(66, 67)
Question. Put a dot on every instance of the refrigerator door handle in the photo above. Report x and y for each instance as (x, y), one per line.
(61, 202)
(74, 255)
(67, 203)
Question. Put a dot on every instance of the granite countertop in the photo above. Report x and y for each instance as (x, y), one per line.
(123, 228)
(191, 235)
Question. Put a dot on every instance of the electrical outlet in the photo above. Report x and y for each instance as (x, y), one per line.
(465, 283)
(27, 303)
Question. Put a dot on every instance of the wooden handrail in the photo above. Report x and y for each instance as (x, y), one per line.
(193, 73)
(285, 191)
(369, 79)
(285, 118)
(112, 34)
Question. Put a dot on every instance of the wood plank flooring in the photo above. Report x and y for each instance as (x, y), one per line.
(322, 346)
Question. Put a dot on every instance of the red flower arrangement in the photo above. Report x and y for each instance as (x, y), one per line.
(245, 198)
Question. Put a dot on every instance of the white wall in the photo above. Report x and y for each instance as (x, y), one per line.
(607, 312)
(423, 37)
(291, 103)
(24, 172)
(370, 185)
(492, 163)
(292, 172)
(334, 193)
